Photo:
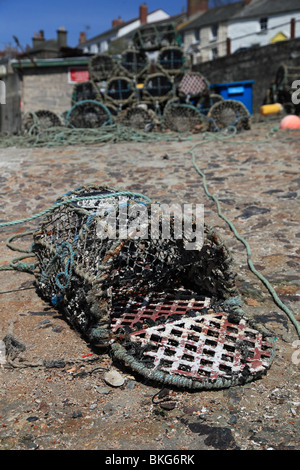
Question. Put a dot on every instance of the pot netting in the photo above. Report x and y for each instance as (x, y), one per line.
(227, 114)
(137, 117)
(157, 87)
(101, 67)
(40, 120)
(162, 309)
(193, 85)
(171, 59)
(88, 114)
(183, 118)
(154, 37)
(85, 91)
(120, 91)
(134, 62)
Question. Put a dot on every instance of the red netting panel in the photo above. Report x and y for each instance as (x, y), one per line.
(205, 347)
(152, 308)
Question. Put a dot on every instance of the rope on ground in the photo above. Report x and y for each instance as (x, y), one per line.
(247, 246)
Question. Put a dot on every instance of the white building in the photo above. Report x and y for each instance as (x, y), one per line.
(215, 32)
(262, 22)
(100, 43)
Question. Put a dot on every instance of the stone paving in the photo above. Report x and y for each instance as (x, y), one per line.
(66, 403)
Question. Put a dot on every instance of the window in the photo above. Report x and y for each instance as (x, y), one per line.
(214, 32)
(214, 53)
(197, 35)
(263, 24)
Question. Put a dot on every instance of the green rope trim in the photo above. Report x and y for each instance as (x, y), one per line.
(69, 201)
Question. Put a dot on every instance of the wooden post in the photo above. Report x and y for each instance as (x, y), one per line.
(293, 28)
(228, 46)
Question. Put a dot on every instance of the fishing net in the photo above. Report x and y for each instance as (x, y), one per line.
(120, 90)
(101, 67)
(134, 63)
(40, 120)
(88, 114)
(167, 312)
(183, 118)
(281, 91)
(86, 91)
(171, 59)
(229, 113)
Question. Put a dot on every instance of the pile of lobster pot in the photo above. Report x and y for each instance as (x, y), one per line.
(146, 94)
(151, 94)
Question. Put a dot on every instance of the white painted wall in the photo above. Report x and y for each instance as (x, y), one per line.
(245, 33)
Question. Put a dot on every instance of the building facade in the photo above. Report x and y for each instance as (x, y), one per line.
(213, 33)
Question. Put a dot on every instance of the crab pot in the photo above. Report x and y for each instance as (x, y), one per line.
(120, 90)
(101, 67)
(85, 91)
(158, 86)
(229, 114)
(41, 120)
(134, 62)
(154, 37)
(182, 117)
(171, 59)
(193, 85)
(137, 117)
(88, 114)
(166, 312)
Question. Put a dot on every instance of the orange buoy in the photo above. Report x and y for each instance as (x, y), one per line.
(290, 122)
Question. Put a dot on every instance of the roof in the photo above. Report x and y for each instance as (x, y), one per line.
(114, 29)
(213, 16)
(261, 8)
(239, 10)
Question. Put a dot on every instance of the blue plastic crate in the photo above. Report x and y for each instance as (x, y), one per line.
(239, 91)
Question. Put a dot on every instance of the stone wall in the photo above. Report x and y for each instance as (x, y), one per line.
(259, 64)
(46, 88)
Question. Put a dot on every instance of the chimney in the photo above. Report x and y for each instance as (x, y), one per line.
(82, 38)
(117, 22)
(143, 13)
(61, 37)
(196, 6)
(38, 39)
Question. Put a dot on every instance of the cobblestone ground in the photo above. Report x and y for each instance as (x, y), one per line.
(257, 182)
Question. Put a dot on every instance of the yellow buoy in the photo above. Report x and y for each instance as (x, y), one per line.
(271, 109)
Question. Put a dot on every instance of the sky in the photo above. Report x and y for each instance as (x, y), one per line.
(23, 18)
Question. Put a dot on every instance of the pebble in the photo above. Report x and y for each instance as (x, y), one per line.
(113, 378)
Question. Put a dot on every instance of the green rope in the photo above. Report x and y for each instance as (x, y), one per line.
(69, 201)
(247, 246)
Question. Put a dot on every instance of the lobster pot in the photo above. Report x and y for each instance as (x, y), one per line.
(154, 37)
(157, 87)
(101, 67)
(134, 62)
(120, 90)
(85, 91)
(286, 75)
(227, 114)
(40, 120)
(128, 291)
(183, 118)
(193, 85)
(171, 60)
(88, 114)
(137, 117)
